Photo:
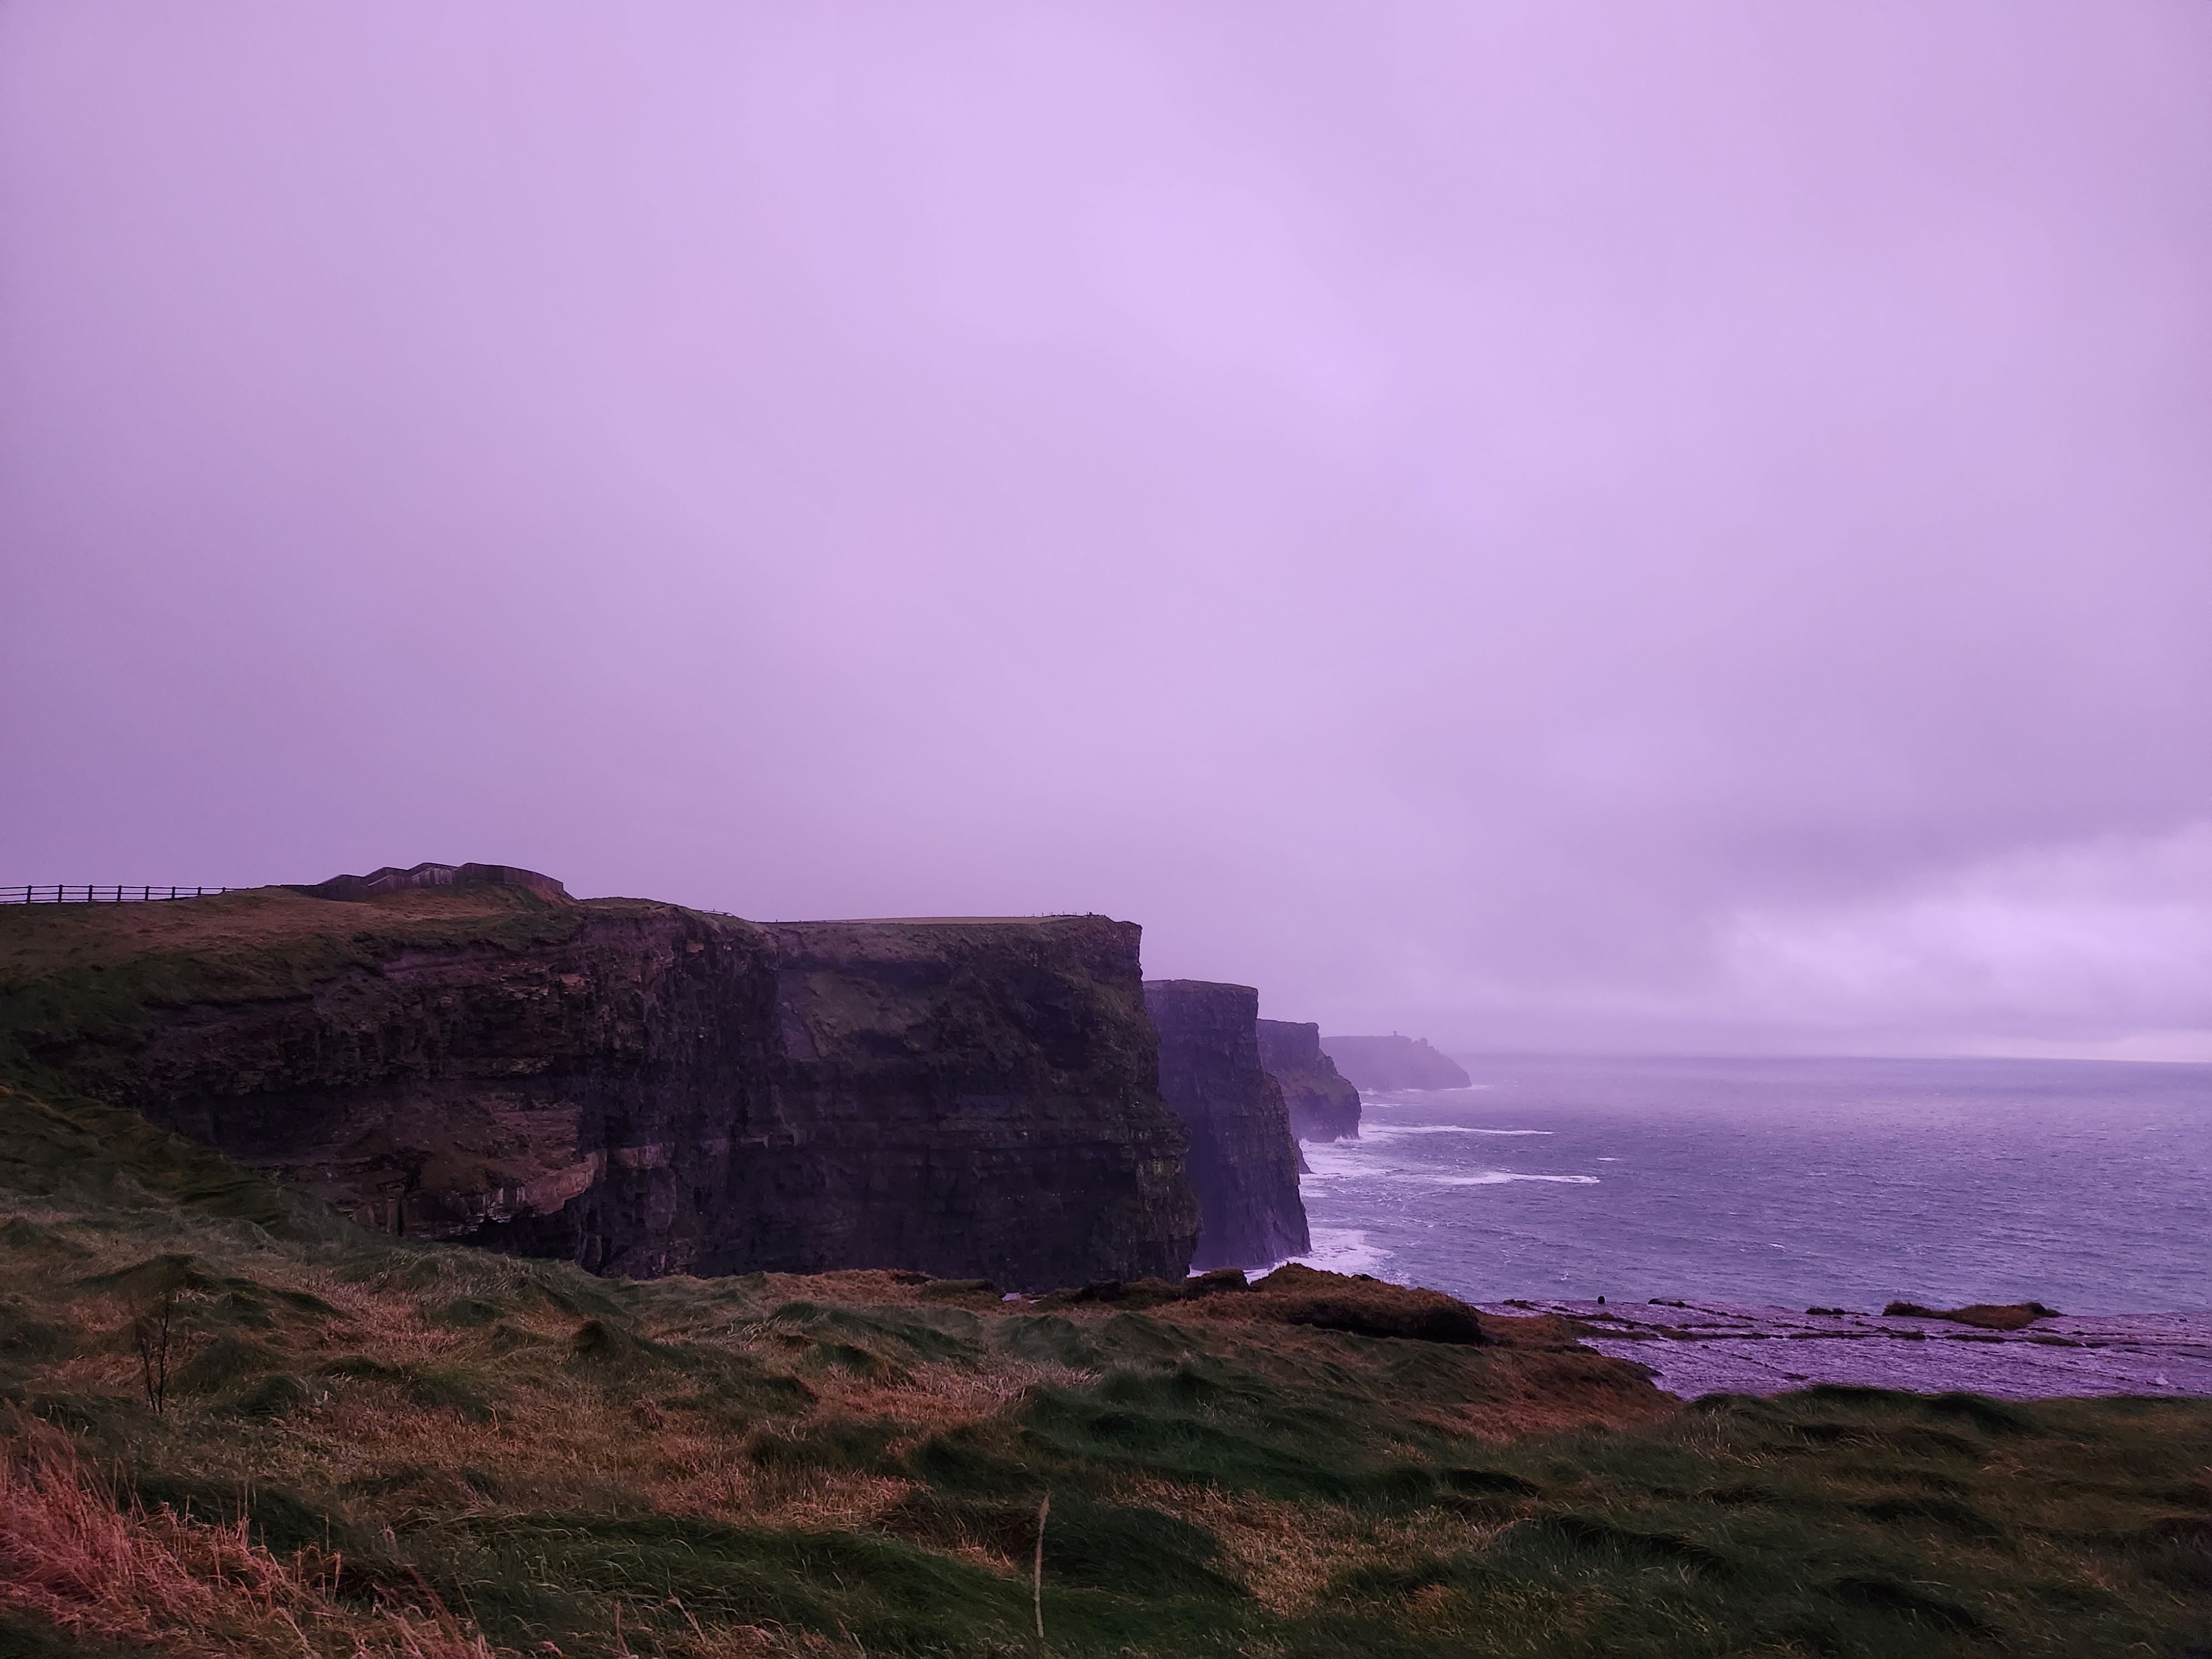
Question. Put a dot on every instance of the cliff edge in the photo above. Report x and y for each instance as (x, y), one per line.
(970, 1098)
(1321, 1103)
(1243, 1160)
(636, 1087)
(1394, 1062)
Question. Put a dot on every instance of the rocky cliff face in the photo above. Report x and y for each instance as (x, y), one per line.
(637, 1087)
(1243, 1160)
(1394, 1062)
(1322, 1104)
(971, 1097)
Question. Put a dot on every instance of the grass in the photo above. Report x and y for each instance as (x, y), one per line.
(85, 976)
(375, 1448)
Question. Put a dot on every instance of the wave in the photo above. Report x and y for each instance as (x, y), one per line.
(1341, 1160)
(1342, 1250)
(1423, 1094)
(1392, 1131)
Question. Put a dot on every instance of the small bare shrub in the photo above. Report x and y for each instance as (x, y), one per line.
(149, 1334)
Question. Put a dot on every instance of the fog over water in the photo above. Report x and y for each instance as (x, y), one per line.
(1590, 526)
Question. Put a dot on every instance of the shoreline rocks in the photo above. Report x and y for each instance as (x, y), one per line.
(1695, 1348)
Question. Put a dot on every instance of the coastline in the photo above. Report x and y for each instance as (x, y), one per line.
(1698, 1348)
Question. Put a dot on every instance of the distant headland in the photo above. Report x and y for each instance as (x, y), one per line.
(1394, 1062)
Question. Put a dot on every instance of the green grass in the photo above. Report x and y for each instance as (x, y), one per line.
(853, 1465)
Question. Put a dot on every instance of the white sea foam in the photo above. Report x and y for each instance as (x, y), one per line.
(1327, 1159)
(1343, 1250)
(1347, 1159)
(1386, 1094)
(1394, 1131)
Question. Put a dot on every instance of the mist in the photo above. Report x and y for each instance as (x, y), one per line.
(1564, 527)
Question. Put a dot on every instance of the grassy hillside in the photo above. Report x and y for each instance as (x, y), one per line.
(384, 1448)
(89, 976)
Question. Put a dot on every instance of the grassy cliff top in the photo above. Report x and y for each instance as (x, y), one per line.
(270, 940)
(40, 938)
(370, 1447)
(89, 970)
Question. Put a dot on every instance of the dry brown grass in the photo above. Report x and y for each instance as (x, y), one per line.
(874, 1286)
(1530, 1378)
(932, 1396)
(562, 1429)
(551, 1439)
(465, 1417)
(71, 1556)
(1288, 1555)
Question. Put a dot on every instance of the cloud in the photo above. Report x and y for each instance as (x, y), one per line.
(2102, 946)
(1557, 526)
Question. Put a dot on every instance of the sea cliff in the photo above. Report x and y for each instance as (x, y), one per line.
(1322, 1104)
(636, 1087)
(1243, 1161)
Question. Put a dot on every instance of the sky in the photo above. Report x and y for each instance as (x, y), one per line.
(1551, 525)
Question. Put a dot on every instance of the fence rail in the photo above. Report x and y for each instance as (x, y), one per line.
(82, 893)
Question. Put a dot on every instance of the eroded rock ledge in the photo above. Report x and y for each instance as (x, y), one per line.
(1702, 1347)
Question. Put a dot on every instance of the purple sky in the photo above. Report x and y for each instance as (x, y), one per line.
(1548, 525)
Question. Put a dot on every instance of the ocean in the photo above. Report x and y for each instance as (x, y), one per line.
(1794, 1183)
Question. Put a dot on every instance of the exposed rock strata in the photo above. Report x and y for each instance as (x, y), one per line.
(1243, 1160)
(989, 1094)
(1394, 1062)
(638, 1087)
(1321, 1103)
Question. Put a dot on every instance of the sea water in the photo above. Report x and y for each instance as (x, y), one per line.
(1784, 1182)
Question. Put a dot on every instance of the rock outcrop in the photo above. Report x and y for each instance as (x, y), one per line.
(392, 879)
(637, 1087)
(1394, 1062)
(1323, 1105)
(1243, 1160)
(1693, 1348)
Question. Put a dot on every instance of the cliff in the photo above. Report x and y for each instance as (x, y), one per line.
(636, 1087)
(1243, 1160)
(1394, 1062)
(970, 1098)
(1322, 1104)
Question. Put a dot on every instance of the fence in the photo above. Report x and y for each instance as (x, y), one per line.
(71, 893)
